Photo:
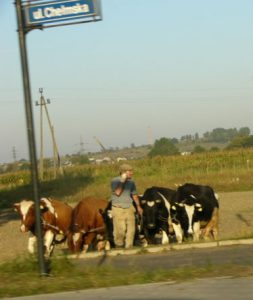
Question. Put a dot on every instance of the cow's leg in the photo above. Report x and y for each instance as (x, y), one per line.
(107, 246)
(77, 241)
(88, 239)
(165, 239)
(212, 227)
(32, 239)
(196, 231)
(165, 232)
(178, 232)
(48, 242)
(102, 243)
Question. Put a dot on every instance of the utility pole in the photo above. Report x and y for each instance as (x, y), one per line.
(57, 163)
(81, 145)
(41, 165)
(14, 154)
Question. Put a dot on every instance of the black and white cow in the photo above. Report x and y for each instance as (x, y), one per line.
(155, 203)
(195, 212)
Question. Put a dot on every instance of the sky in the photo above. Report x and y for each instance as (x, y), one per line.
(149, 69)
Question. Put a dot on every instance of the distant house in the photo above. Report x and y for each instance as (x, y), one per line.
(98, 161)
(121, 159)
(107, 159)
(185, 153)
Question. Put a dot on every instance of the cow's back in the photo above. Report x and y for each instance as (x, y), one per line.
(86, 214)
(203, 193)
(63, 214)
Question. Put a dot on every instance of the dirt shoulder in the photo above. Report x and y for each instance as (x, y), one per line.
(236, 221)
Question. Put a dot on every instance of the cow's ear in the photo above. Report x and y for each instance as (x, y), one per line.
(143, 201)
(198, 206)
(158, 200)
(16, 206)
(42, 205)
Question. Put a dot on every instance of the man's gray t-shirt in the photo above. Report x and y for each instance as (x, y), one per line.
(125, 200)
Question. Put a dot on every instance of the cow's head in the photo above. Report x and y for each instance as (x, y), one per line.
(186, 213)
(25, 209)
(151, 212)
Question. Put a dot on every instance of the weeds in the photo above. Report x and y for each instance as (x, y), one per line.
(20, 277)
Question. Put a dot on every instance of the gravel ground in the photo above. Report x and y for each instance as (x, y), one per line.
(236, 221)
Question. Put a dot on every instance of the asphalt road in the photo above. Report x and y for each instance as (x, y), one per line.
(199, 289)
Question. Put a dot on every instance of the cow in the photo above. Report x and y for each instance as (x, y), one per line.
(55, 219)
(107, 217)
(195, 212)
(88, 227)
(155, 203)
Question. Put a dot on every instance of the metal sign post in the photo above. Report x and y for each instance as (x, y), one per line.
(40, 14)
(31, 135)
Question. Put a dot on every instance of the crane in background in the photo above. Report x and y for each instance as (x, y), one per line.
(99, 143)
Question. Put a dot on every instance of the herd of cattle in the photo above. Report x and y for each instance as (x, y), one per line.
(190, 212)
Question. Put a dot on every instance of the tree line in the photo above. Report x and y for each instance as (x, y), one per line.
(235, 138)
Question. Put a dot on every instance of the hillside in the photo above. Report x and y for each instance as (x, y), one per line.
(138, 152)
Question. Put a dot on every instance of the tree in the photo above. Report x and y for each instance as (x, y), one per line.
(80, 159)
(163, 147)
(199, 149)
(214, 149)
(244, 131)
(241, 142)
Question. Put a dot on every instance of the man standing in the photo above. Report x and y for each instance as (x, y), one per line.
(123, 212)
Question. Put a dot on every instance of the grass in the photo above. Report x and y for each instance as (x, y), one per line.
(67, 276)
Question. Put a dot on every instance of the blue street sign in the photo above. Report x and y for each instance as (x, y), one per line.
(61, 10)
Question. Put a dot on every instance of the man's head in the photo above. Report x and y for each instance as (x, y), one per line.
(127, 169)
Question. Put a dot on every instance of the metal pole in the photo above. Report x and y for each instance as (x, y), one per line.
(41, 137)
(53, 139)
(55, 154)
(30, 133)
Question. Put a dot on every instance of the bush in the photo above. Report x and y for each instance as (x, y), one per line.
(163, 147)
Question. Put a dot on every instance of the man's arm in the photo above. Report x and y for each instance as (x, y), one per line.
(119, 189)
(138, 206)
(120, 185)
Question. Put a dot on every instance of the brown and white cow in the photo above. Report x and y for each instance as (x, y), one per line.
(55, 218)
(88, 226)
